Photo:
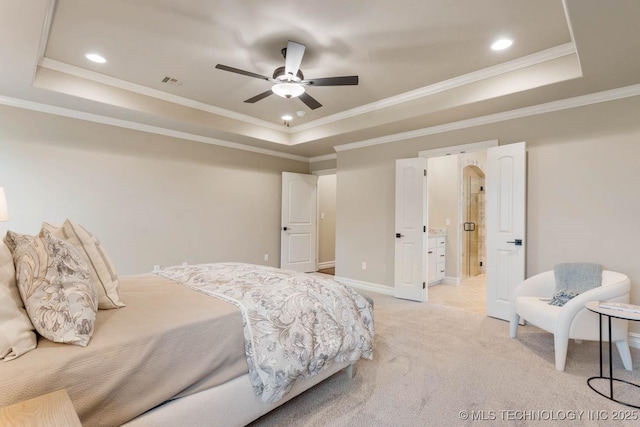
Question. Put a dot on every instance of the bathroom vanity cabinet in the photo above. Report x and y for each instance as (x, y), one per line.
(436, 255)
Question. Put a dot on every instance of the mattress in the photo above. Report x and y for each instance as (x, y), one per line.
(123, 372)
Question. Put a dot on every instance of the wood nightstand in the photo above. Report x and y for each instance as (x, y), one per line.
(53, 409)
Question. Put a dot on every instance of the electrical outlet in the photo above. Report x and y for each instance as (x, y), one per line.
(185, 263)
(156, 268)
(266, 257)
(364, 265)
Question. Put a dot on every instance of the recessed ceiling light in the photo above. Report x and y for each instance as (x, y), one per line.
(287, 117)
(94, 57)
(501, 44)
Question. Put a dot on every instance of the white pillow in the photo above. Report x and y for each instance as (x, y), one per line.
(55, 287)
(16, 331)
(101, 268)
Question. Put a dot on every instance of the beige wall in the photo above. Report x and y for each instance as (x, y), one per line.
(150, 199)
(582, 201)
(327, 218)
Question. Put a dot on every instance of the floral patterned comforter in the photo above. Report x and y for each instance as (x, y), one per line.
(295, 324)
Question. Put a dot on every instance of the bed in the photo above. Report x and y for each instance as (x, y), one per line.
(174, 356)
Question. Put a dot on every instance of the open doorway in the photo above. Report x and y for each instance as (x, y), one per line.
(456, 205)
(326, 222)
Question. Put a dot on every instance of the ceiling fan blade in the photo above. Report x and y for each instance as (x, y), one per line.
(333, 81)
(259, 97)
(238, 71)
(293, 59)
(309, 101)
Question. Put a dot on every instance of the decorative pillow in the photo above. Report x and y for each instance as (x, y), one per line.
(101, 267)
(16, 331)
(55, 286)
(573, 278)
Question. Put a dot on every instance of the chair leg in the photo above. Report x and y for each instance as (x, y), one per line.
(560, 346)
(625, 354)
(513, 325)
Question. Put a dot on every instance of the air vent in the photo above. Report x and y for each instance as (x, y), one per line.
(172, 81)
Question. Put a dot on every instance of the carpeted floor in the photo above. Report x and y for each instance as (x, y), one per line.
(442, 366)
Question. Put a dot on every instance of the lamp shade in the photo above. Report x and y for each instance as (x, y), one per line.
(4, 213)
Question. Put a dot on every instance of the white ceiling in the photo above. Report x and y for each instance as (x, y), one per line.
(421, 63)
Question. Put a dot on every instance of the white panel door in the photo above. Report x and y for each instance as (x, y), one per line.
(410, 227)
(298, 228)
(506, 219)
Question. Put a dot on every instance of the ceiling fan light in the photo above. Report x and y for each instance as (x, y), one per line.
(288, 90)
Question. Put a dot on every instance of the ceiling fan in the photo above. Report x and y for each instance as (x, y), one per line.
(289, 82)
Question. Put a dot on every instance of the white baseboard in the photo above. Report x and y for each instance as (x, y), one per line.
(448, 280)
(366, 286)
(327, 264)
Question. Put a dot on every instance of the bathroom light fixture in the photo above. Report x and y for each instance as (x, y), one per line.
(287, 117)
(288, 90)
(501, 44)
(94, 57)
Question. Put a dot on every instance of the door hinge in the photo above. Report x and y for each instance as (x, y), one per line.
(425, 172)
(424, 285)
(480, 263)
(424, 228)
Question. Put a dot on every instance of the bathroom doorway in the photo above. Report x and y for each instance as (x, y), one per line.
(457, 205)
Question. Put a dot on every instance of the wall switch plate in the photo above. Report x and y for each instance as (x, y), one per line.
(447, 221)
(322, 215)
(364, 265)
(266, 257)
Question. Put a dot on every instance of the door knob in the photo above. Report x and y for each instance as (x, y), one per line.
(284, 228)
(398, 235)
(517, 242)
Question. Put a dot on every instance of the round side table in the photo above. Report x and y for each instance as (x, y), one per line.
(617, 314)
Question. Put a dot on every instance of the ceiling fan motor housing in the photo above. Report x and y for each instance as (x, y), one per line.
(279, 74)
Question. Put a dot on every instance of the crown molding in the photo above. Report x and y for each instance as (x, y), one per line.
(465, 79)
(96, 118)
(331, 156)
(83, 73)
(564, 104)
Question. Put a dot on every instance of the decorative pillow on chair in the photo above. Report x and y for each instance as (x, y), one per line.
(573, 278)
(55, 286)
(101, 267)
(16, 331)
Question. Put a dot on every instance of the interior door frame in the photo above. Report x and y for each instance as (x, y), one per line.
(449, 151)
(319, 173)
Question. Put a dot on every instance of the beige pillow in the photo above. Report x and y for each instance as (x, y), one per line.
(101, 267)
(55, 287)
(16, 331)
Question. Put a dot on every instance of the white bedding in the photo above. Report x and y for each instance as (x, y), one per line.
(295, 324)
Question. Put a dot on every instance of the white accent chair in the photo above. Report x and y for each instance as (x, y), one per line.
(573, 320)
